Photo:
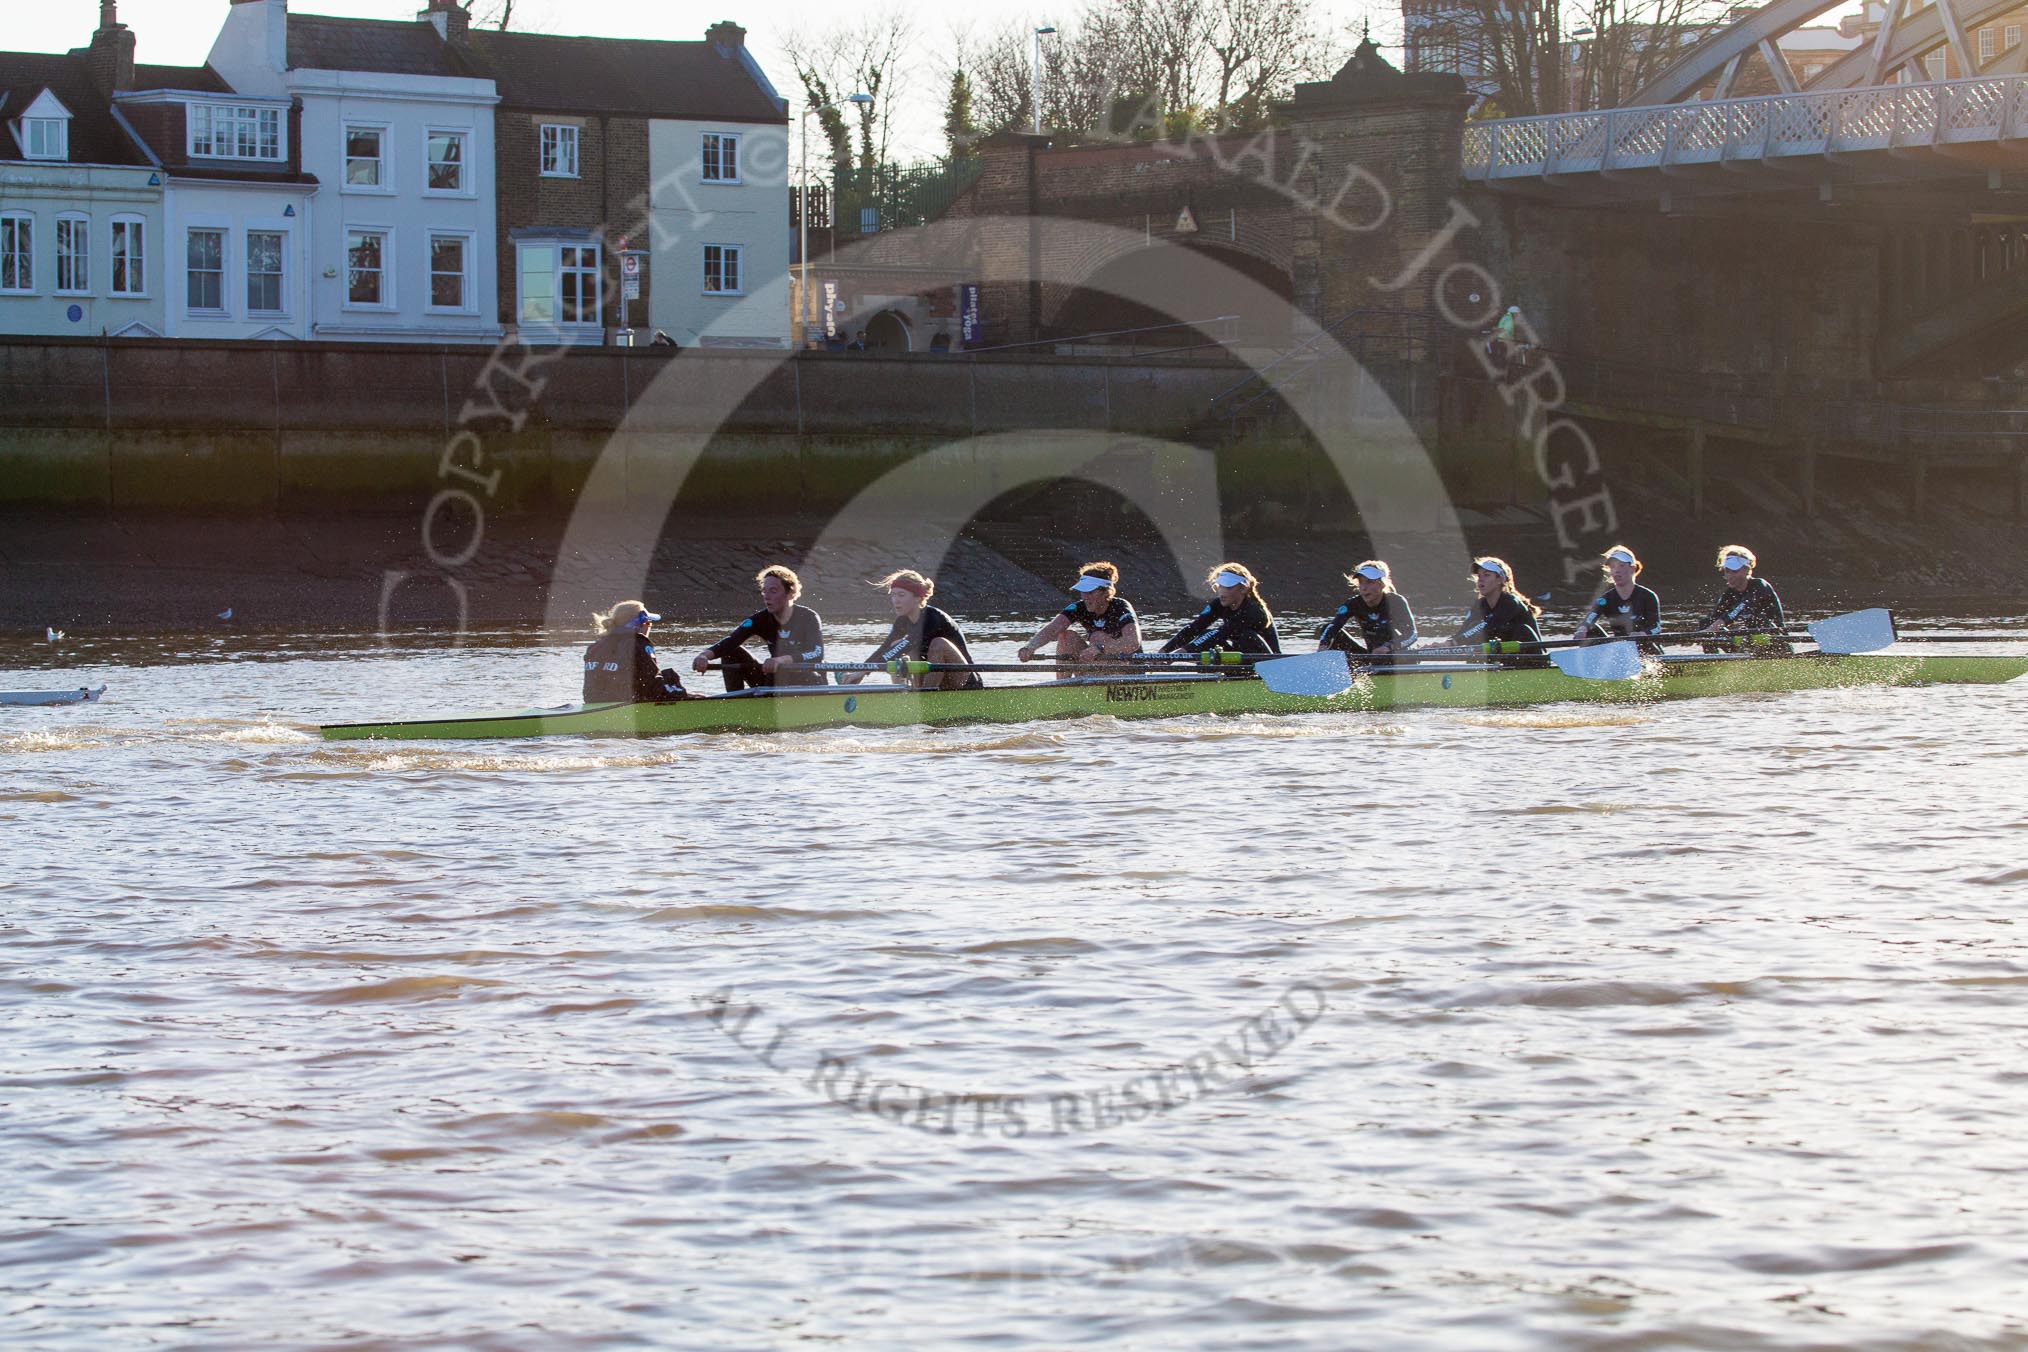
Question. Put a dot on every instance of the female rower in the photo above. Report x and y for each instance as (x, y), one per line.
(793, 634)
(1748, 604)
(1625, 608)
(921, 632)
(1237, 620)
(1110, 626)
(619, 666)
(1501, 614)
(1377, 611)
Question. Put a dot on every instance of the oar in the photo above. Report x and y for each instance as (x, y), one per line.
(1319, 675)
(1617, 661)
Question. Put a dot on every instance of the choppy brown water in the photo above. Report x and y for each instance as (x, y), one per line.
(1692, 1026)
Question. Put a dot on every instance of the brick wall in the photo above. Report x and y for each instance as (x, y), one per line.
(608, 195)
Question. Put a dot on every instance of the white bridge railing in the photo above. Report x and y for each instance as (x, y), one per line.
(1990, 110)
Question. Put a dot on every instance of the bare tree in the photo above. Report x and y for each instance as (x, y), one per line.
(1632, 41)
(499, 13)
(1135, 67)
(1259, 49)
(869, 57)
(1527, 57)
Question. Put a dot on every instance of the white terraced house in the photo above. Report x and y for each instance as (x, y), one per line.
(396, 125)
(81, 206)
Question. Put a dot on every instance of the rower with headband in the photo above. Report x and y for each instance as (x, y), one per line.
(1625, 608)
(1375, 622)
(1237, 620)
(1111, 629)
(921, 633)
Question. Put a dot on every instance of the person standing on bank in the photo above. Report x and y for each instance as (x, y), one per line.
(619, 666)
(921, 633)
(1748, 604)
(1375, 622)
(1501, 614)
(794, 636)
(1111, 629)
(1625, 609)
(1237, 620)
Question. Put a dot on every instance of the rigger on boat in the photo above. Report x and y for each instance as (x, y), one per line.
(1227, 660)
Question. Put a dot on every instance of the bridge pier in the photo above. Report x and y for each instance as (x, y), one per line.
(1918, 485)
(2021, 489)
(1807, 476)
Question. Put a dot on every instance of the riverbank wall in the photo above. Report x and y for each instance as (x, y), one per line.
(375, 486)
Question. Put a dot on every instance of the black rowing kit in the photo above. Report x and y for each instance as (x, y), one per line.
(1389, 622)
(619, 668)
(1247, 629)
(1753, 609)
(1612, 615)
(1113, 623)
(909, 640)
(1508, 621)
(801, 636)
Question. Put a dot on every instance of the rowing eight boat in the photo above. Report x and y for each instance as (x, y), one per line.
(1465, 685)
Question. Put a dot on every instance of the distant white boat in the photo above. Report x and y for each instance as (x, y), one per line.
(81, 695)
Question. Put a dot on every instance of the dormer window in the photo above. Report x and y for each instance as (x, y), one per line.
(43, 129)
(235, 132)
(45, 138)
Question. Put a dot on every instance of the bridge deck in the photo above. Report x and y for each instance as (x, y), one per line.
(1989, 111)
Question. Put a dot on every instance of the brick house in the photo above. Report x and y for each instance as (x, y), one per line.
(673, 153)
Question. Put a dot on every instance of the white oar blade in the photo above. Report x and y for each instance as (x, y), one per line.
(1316, 674)
(1862, 631)
(1603, 662)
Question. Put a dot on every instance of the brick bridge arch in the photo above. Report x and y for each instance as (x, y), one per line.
(1153, 200)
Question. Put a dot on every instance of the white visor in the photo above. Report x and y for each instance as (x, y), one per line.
(1488, 566)
(1370, 573)
(1735, 562)
(1088, 583)
(645, 617)
(1620, 555)
(1229, 580)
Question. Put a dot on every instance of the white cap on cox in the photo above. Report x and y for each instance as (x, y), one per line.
(1735, 562)
(1086, 582)
(1371, 573)
(1620, 554)
(1230, 580)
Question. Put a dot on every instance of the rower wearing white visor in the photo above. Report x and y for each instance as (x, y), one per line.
(1237, 620)
(1375, 621)
(1501, 614)
(619, 666)
(1625, 609)
(1110, 627)
(1748, 604)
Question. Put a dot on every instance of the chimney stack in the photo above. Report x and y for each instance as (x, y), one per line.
(726, 36)
(452, 20)
(110, 58)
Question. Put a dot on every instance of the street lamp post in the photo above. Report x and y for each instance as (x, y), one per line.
(1035, 90)
(803, 216)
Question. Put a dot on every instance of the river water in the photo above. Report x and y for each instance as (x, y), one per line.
(1698, 1025)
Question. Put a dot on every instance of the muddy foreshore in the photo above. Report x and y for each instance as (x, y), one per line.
(366, 572)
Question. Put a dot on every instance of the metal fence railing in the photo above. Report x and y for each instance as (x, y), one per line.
(895, 197)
